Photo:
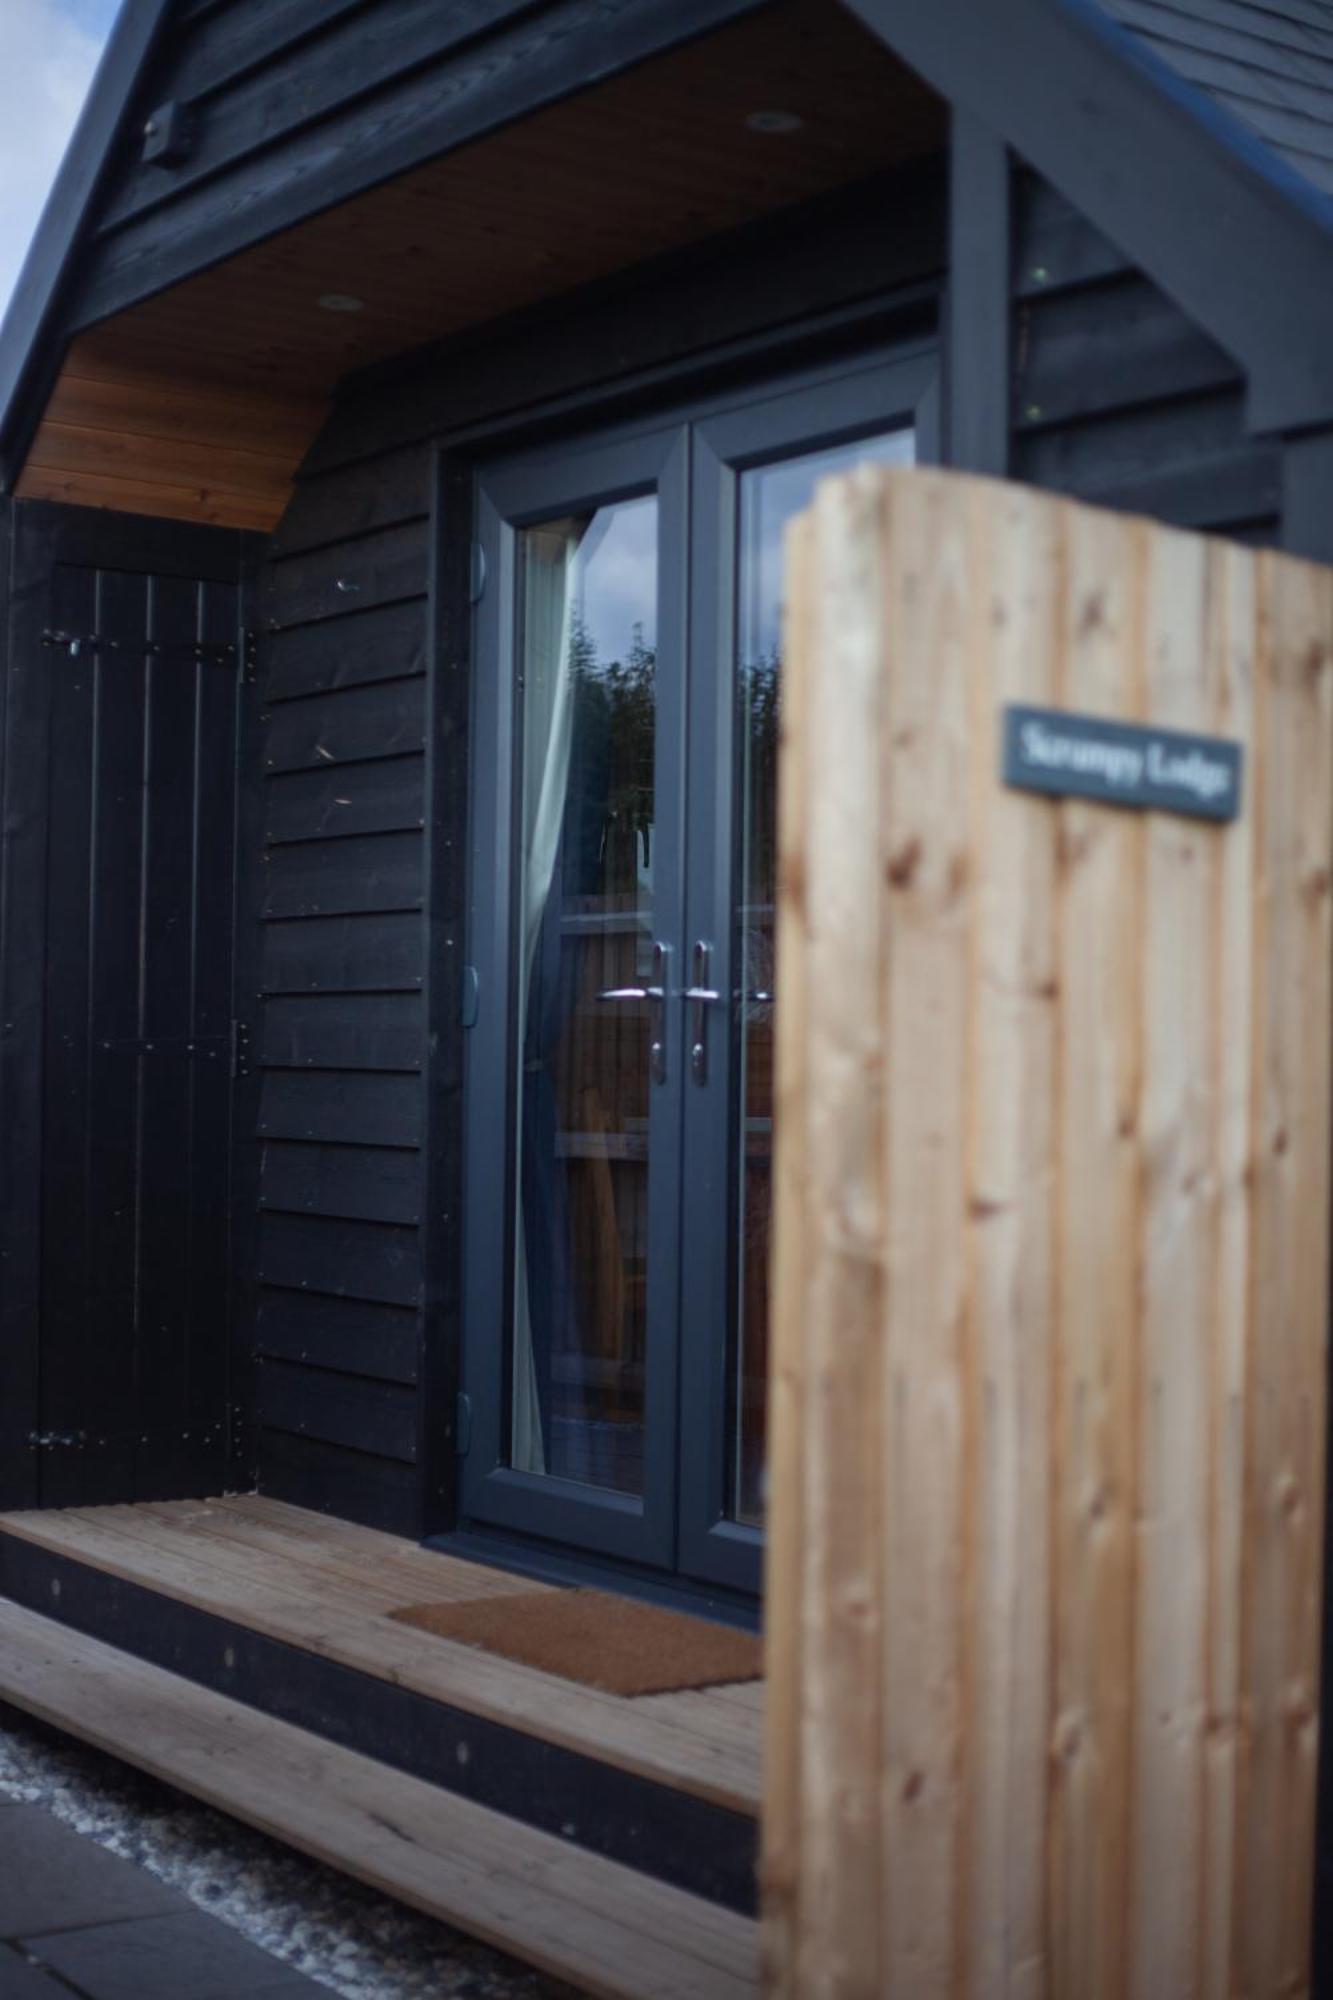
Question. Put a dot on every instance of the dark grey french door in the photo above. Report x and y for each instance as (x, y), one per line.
(619, 1089)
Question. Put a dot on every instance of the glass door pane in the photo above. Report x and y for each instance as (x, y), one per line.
(770, 495)
(585, 1020)
(573, 1104)
(755, 464)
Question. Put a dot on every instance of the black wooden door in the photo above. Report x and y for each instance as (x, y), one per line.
(126, 684)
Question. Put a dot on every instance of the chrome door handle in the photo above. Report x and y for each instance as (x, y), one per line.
(655, 995)
(701, 996)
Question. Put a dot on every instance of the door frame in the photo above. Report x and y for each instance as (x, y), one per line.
(700, 1550)
(513, 492)
(807, 413)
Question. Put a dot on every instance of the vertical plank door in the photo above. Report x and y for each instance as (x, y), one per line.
(1051, 1272)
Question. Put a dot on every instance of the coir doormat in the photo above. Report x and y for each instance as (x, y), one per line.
(614, 1643)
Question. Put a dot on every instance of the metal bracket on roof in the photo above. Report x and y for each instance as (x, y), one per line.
(168, 135)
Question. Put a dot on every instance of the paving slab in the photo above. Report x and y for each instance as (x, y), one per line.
(189, 1956)
(52, 1879)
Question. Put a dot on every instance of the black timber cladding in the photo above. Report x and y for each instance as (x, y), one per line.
(340, 1036)
(1116, 397)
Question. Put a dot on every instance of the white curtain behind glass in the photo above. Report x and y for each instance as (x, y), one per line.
(549, 581)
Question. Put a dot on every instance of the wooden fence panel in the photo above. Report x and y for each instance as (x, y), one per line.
(1051, 1266)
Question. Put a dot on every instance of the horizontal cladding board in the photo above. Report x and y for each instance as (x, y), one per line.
(1134, 444)
(382, 1342)
(355, 1485)
(357, 500)
(104, 392)
(1113, 346)
(1279, 32)
(358, 1260)
(359, 798)
(365, 872)
(1289, 132)
(357, 1183)
(374, 1031)
(357, 54)
(380, 719)
(61, 446)
(375, 1417)
(144, 545)
(1055, 247)
(346, 1107)
(137, 496)
(1209, 493)
(383, 643)
(365, 954)
(391, 564)
(1318, 171)
(1308, 95)
(435, 109)
(211, 52)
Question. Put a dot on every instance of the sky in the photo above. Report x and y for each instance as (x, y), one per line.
(48, 51)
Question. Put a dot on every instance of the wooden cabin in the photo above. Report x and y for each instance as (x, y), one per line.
(401, 413)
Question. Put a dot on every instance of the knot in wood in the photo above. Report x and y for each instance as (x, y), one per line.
(901, 867)
(1067, 1738)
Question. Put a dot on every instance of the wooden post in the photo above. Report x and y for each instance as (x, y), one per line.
(1050, 1285)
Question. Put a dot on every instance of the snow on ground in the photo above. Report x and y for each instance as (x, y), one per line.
(358, 1943)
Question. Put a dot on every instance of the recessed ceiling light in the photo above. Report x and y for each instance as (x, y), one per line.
(775, 121)
(341, 302)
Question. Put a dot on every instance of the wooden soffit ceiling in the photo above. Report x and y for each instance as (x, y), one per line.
(200, 403)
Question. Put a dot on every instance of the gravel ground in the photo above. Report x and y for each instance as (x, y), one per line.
(350, 1939)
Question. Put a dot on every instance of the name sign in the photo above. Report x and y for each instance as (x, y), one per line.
(1121, 763)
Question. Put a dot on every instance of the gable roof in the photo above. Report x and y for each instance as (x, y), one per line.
(1268, 63)
(1146, 114)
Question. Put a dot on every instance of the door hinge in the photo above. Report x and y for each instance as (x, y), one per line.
(463, 1425)
(179, 653)
(240, 1049)
(471, 998)
(249, 657)
(477, 574)
(57, 1440)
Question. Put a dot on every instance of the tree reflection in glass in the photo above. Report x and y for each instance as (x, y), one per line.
(769, 496)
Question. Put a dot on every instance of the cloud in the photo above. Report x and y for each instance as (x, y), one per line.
(48, 52)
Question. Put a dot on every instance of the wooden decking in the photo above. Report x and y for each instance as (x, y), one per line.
(324, 1588)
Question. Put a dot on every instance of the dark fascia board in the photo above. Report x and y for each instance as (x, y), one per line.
(1237, 238)
(27, 333)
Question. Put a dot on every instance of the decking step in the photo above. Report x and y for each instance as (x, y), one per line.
(593, 1922)
(204, 1594)
(265, 1566)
